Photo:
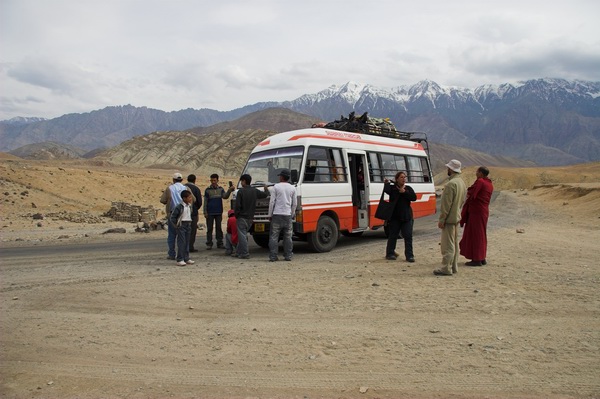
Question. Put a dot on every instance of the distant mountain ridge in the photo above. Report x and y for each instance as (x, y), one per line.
(548, 121)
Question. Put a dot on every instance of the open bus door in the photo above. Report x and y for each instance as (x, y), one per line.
(359, 178)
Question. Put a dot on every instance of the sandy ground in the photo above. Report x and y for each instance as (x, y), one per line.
(115, 322)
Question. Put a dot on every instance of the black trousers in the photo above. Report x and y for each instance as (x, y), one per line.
(396, 227)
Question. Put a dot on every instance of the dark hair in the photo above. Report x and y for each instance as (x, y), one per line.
(192, 178)
(400, 173)
(214, 176)
(484, 171)
(185, 194)
(247, 178)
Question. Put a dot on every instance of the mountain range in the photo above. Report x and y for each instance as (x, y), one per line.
(546, 121)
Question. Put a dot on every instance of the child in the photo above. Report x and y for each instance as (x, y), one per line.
(181, 219)
(231, 238)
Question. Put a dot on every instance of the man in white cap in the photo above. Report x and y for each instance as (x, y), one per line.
(171, 197)
(452, 200)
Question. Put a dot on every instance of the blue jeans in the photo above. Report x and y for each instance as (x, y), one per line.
(243, 226)
(171, 237)
(183, 241)
(281, 223)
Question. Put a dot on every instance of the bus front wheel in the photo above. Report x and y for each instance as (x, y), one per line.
(325, 237)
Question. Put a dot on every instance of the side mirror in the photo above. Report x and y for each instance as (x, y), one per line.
(294, 177)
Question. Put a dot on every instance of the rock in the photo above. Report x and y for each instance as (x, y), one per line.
(39, 224)
(115, 230)
(33, 205)
(520, 231)
(63, 236)
(363, 389)
(38, 216)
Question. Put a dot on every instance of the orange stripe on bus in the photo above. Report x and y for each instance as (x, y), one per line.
(415, 146)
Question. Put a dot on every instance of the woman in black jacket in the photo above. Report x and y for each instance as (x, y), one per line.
(402, 217)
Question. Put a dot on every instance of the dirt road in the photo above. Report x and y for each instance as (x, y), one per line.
(115, 322)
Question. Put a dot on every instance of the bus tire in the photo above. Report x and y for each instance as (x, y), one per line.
(325, 237)
(262, 240)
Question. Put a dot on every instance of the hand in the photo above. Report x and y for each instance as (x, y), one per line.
(441, 225)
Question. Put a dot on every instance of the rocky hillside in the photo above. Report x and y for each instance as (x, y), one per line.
(224, 148)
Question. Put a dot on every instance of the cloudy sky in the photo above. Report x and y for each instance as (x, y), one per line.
(65, 56)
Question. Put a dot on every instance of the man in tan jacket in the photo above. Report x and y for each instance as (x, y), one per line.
(452, 201)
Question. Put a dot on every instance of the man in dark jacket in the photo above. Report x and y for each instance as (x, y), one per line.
(213, 210)
(245, 206)
(191, 185)
(402, 217)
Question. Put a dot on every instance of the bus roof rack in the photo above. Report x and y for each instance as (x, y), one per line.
(373, 126)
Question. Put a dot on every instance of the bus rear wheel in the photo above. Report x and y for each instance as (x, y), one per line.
(325, 237)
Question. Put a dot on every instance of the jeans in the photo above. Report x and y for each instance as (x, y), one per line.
(183, 241)
(171, 237)
(395, 227)
(243, 226)
(215, 220)
(280, 223)
(230, 247)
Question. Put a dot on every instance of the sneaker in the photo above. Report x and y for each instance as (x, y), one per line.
(190, 262)
(273, 259)
(220, 246)
(181, 263)
(391, 257)
(193, 250)
(244, 256)
(208, 246)
(288, 259)
(411, 260)
(440, 272)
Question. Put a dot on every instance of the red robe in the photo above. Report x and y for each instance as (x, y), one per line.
(474, 217)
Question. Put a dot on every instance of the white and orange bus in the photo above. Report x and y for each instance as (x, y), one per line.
(339, 180)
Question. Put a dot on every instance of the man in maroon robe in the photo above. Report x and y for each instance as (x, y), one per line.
(474, 218)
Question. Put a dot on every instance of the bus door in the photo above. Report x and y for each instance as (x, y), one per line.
(357, 162)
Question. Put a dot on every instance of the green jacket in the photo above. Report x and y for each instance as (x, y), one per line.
(452, 200)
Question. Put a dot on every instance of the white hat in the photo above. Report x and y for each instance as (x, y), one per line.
(177, 176)
(454, 165)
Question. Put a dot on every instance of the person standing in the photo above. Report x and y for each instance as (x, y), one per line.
(171, 197)
(213, 210)
(245, 206)
(402, 218)
(282, 208)
(475, 214)
(191, 185)
(450, 212)
(181, 217)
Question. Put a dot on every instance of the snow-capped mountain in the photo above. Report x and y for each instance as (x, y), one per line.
(548, 121)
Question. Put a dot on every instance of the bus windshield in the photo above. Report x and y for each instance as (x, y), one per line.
(265, 166)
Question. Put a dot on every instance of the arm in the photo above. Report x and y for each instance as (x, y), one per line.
(164, 198)
(272, 201)
(409, 193)
(446, 206)
(226, 193)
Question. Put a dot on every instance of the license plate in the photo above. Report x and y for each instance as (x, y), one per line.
(259, 227)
